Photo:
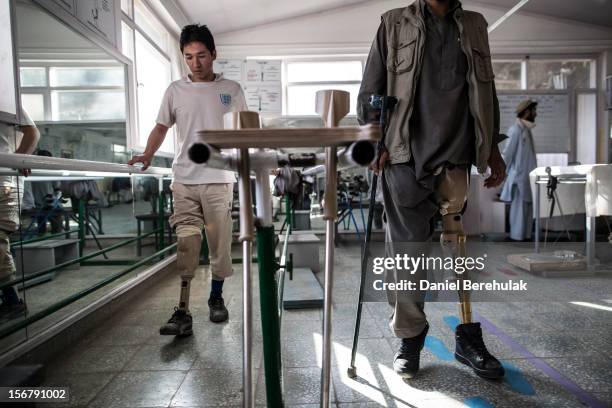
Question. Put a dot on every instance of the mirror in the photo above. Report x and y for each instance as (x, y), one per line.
(76, 94)
(72, 89)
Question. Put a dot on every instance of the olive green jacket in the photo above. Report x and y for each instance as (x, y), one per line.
(393, 69)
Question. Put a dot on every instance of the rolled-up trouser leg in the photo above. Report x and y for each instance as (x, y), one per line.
(452, 195)
(188, 257)
(217, 206)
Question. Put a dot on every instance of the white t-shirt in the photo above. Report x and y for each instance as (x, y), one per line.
(195, 106)
(9, 140)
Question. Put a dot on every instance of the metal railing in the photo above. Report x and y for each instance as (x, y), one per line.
(60, 168)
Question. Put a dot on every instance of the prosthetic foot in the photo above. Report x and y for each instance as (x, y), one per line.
(470, 348)
(471, 351)
(189, 243)
(218, 311)
(180, 324)
(407, 358)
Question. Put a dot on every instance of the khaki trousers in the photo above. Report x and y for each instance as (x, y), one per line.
(208, 207)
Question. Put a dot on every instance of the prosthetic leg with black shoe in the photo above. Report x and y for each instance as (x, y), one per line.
(189, 243)
(469, 347)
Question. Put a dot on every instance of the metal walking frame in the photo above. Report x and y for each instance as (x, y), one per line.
(249, 156)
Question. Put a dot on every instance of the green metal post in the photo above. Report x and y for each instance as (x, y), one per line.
(270, 321)
(81, 226)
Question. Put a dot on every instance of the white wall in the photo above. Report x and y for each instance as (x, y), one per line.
(351, 30)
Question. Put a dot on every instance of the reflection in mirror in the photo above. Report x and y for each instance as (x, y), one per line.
(74, 91)
(13, 306)
(78, 235)
(81, 230)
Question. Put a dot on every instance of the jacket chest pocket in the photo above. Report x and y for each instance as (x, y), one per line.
(401, 50)
(482, 65)
(481, 54)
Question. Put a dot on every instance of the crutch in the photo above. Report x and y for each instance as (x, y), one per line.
(384, 104)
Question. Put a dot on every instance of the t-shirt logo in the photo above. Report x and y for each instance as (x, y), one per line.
(226, 99)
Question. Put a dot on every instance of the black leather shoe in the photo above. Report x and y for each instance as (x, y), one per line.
(471, 351)
(407, 358)
(180, 324)
(218, 311)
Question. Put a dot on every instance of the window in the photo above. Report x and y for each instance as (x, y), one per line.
(127, 41)
(146, 41)
(73, 93)
(127, 6)
(87, 105)
(507, 74)
(149, 24)
(304, 79)
(561, 74)
(34, 104)
(81, 76)
(153, 76)
(32, 77)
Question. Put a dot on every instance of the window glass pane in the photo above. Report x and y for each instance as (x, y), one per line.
(34, 104)
(324, 71)
(32, 76)
(127, 41)
(153, 77)
(77, 76)
(559, 74)
(150, 25)
(88, 105)
(127, 7)
(507, 74)
(301, 98)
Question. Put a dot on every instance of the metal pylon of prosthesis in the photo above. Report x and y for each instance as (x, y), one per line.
(453, 241)
(242, 136)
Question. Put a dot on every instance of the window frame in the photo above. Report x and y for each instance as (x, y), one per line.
(47, 90)
(133, 141)
(286, 61)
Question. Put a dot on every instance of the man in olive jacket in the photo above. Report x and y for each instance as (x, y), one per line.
(434, 57)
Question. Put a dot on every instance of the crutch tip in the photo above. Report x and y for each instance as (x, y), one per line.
(352, 372)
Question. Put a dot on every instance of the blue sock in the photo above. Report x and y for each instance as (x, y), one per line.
(9, 295)
(216, 288)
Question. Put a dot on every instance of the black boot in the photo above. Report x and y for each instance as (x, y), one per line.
(178, 325)
(406, 361)
(218, 311)
(471, 351)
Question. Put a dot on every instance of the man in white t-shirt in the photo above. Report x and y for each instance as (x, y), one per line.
(20, 139)
(202, 196)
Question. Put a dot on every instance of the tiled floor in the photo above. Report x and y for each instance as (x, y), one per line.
(125, 363)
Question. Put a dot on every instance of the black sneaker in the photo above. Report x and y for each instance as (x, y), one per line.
(9, 310)
(471, 351)
(218, 311)
(406, 361)
(178, 325)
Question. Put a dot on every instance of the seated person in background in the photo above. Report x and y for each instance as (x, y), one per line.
(45, 198)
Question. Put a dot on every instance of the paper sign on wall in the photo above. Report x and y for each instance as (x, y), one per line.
(264, 99)
(230, 68)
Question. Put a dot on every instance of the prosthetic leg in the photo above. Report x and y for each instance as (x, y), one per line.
(188, 257)
(469, 347)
